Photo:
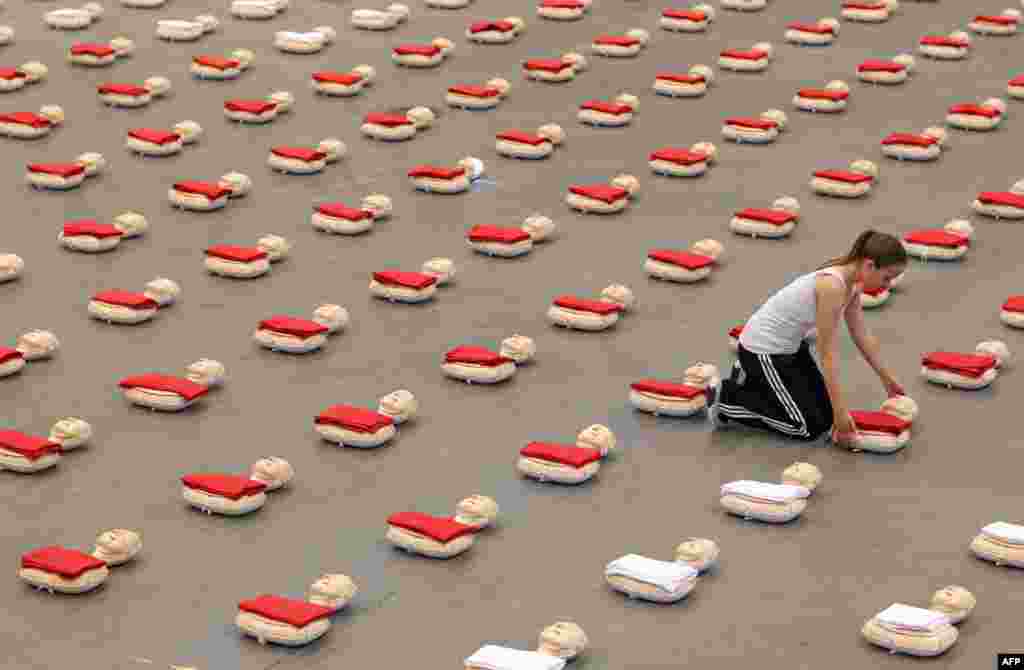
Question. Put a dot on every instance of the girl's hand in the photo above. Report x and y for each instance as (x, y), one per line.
(893, 388)
(843, 424)
(844, 431)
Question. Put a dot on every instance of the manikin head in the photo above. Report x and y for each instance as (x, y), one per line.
(334, 591)
(563, 639)
(698, 552)
(477, 511)
(956, 602)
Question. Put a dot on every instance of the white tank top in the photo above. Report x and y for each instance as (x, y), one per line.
(780, 325)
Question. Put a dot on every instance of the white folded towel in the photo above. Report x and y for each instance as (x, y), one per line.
(67, 12)
(180, 25)
(911, 618)
(368, 14)
(1006, 532)
(493, 657)
(311, 37)
(663, 574)
(766, 490)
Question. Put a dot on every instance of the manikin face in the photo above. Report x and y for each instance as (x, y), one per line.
(334, 587)
(118, 541)
(598, 437)
(273, 470)
(563, 639)
(802, 474)
(477, 510)
(697, 549)
(874, 278)
(398, 403)
(953, 599)
(70, 427)
(38, 342)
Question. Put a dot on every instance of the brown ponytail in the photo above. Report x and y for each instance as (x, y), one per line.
(884, 249)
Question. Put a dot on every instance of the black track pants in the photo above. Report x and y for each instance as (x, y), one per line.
(784, 393)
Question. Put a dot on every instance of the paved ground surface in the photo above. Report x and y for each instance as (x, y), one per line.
(881, 529)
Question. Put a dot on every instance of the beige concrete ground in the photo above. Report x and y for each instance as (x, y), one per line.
(881, 529)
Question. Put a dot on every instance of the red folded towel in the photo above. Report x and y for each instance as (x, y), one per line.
(909, 139)
(998, 20)
(744, 54)
(443, 530)
(606, 194)
(288, 325)
(299, 153)
(678, 156)
(211, 190)
(488, 26)
(666, 388)
(353, 418)
(562, 454)
(475, 91)
(232, 487)
(879, 422)
(58, 169)
(684, 259)
(67, 563)
(519, 137)
(815, 28)
(337, 210)
(298, 613)
(186, 388)
(616, 40)
(416, 280)
(417, 50)
(97, 50)
(865, 5)
(90, 228)
(431, 172)
(613, 108)
(500, 234)
(154, 136)
(563, 4)
(937, 238)
(216, 62)
(967, 365)
(126, 299)
(845, 176)
(1015, 303)
(237, 254)
(470, 355)
(389, 121)
(123, 89)
(1004, 198)
(599, 307)
(686, 78)
(777, 217)
(342, 78)
(32, 448)
(881, 66)
(250, 106)
(26, 119)
(943, 41)
(971, 109)
(823, 94)
(685, 15)
(547, 65)
(747, 122)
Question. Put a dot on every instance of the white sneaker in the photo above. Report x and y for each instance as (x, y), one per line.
(713, 416)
